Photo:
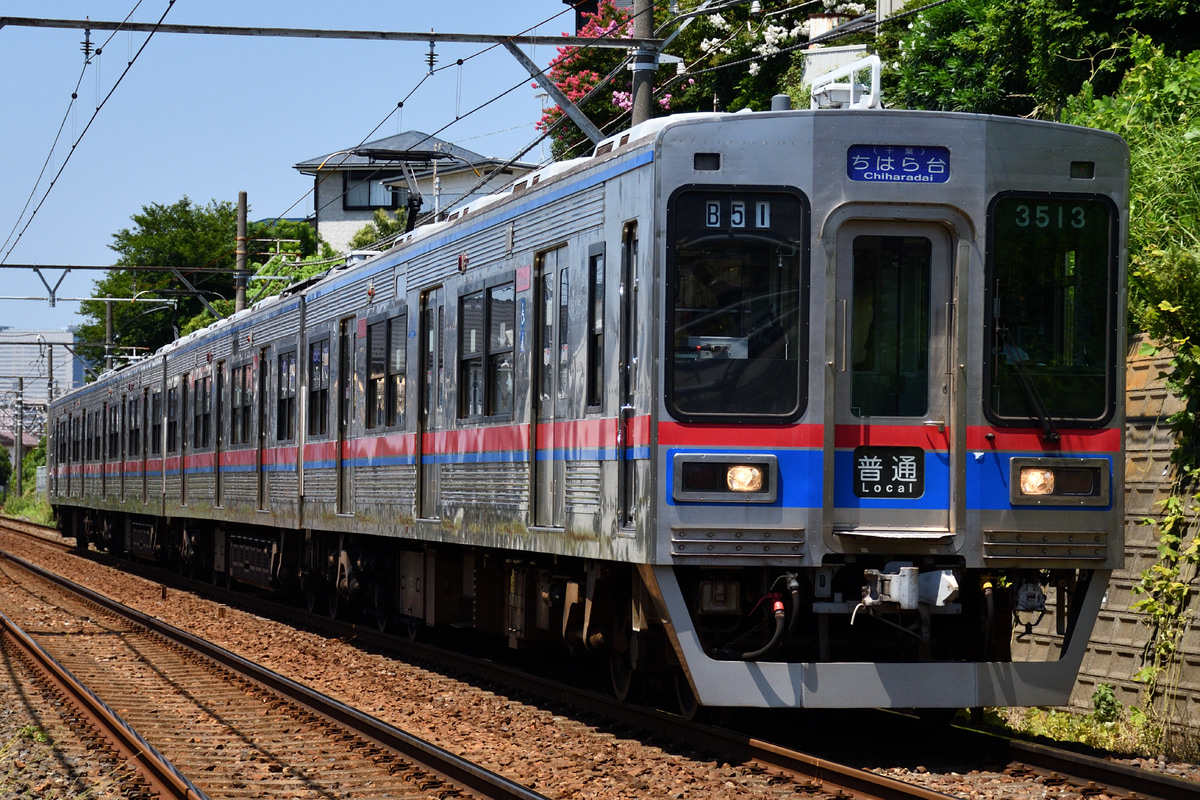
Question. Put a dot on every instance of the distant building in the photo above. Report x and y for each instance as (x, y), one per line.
(350, 185)
(588, 7)
(26, 360)
(29, 355)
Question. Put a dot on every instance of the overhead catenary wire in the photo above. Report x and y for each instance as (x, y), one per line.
(88, 53)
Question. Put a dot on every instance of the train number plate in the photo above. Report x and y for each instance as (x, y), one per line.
(889, 471)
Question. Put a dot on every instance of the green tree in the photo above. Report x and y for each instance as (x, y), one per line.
(1021, 57)
(731, 56)
(381, 227)
(5, 465)
(183, 235)
(33, 459)
(1157, 111)
(576, 71)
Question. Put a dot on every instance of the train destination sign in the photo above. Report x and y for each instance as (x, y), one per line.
(897, 163)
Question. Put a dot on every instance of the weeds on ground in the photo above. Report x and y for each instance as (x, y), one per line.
(1109, 726)
(31, 507)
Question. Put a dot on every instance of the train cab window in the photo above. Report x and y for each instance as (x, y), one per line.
(486, 326)
(156, 423)
(285, 427)
(202, 410)
(318, 388)
(1052, 270)
(736, 280)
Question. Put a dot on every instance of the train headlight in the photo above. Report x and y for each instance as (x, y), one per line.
(1061, 481)
(1036, 480)
(724, 478)
(744, 478)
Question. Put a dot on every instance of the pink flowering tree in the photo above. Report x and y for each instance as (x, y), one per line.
(576, 71)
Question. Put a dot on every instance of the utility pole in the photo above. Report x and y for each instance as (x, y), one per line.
(49, 376)
(108, 333)
(19, 435)
(645, 60)
(239, 279)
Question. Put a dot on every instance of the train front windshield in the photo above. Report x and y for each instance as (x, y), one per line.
(735, 296)
(1052, 274)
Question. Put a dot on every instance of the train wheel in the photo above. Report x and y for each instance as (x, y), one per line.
(336, 603)
(383, 614)
(312, 600)
(689, 707)
(625, 684)
(412, 628)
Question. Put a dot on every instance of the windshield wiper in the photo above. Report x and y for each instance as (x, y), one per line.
(1027, 384)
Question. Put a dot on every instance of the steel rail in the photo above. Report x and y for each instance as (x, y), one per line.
(159, 774)
(442, 763)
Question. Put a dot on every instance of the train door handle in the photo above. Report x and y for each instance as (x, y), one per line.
(939, 423)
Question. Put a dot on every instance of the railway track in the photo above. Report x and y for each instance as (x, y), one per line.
(1022, 766)
(235, 729)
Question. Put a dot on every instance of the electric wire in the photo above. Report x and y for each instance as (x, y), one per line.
(61, 127)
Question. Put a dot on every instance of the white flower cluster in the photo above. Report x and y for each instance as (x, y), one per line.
(773, 37)
(710, 46)
(849, 9)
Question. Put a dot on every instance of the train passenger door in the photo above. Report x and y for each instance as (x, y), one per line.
(260, 395)
(432, 328)
(547, 466)
(893, 388)
(145, 442)
(184, 413)
(218, 433)
(627, 375)
(345, 405)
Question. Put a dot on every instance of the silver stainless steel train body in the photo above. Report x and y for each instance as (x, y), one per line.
(798, 408)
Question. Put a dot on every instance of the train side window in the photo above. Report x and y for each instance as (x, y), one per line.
(114, 430)
(135, 426)
(156, 423)
(502, 317)
(285, 428)
(172, 419)
(318, 388)
(564, 316)
(202, 410)
(97, 435)
(243, 401)
(377, 347)
(397, 365)
(470, 382)
(595, 330)
(486, 326)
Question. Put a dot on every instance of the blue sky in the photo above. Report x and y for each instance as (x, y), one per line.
(207, 116)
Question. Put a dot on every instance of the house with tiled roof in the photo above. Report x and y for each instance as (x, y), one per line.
(351, 184)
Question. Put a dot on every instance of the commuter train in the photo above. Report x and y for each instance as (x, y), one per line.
(815, 408)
